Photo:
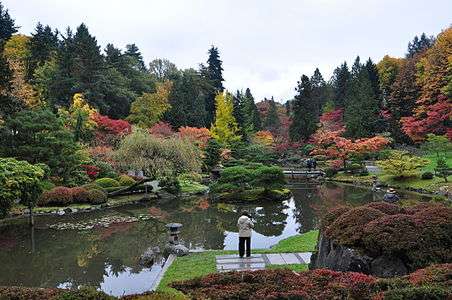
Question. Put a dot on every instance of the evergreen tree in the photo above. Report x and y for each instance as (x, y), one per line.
(251, 114)
(356, 68)
(43, 45)
(304, 117)
(272, 122)
(7, 25)
(238, 112)
(186, 100)
(361, 112)
(213, 72)
(319, 90)
(133, 52)
(339, 82)
(8, 103)
(419, 45)
(374, 78)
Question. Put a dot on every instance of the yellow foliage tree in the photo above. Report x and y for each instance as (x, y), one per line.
(225, 130)
(79, 117)
(435, 68)
(17, 53)
(148, 109)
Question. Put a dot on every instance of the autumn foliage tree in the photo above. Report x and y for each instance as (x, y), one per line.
(149, 108)
(198, 136)
(109, 130)
(225, 129)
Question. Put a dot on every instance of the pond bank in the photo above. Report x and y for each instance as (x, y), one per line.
(203, 263)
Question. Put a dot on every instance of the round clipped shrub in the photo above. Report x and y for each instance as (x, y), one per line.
(96, 197)
(126, 180)
(387, 208)
(107, 182)
(347, 229)
(80, 195)
(427, 175)
(332, 215)
(58, 196)
(390, 235)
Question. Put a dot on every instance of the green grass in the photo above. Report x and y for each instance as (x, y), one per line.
(293, 267)
(432, 164)
(203, 263)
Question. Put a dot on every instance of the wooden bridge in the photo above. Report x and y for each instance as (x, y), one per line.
(303, 173)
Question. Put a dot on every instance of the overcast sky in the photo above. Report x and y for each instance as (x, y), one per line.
(264, 44)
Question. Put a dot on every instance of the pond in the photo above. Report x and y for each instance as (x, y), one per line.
(107, 257)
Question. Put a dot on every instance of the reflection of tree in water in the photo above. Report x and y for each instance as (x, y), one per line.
(270, 219)
(305, 215)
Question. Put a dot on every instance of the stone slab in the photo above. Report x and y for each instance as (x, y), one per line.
(240, 260)
(275, 259)
(236, 256)
(290, 258)
(242, 266)
(305, 256)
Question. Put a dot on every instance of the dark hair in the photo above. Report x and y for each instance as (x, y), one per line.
(245, 213)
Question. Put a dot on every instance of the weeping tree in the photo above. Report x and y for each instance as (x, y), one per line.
(19, 181)
(158, 158)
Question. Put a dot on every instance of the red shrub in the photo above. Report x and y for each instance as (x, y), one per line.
(347, 229)
(332, 215)
(432, 274)
(91, 171)
(387, 208)
(79, 195)
(57, 196)
(162, 130)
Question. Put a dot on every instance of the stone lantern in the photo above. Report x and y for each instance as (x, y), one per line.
(173, 230)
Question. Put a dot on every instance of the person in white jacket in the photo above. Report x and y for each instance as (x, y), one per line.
(245, 226)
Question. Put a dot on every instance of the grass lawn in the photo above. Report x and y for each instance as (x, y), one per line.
(433, 158)
(203, 263)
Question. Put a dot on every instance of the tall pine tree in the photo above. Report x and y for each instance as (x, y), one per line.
(303, 112)
(361, 112)
(272, 122)
(339, 82)
(7, 25)
(251, 114)
(320, 91)
(43, 45)
(213, 72)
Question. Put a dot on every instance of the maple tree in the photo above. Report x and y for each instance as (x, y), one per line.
(225, 129)
(198, 136)
(162, 130)
(263, 137)
(434, 120)
(333, 145)
(108, 130)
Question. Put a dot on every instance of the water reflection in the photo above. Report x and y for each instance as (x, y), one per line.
(107, 258)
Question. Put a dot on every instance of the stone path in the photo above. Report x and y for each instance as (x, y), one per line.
(233, 262)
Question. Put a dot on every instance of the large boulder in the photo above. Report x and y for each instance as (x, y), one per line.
(148, 257)
(176, 249)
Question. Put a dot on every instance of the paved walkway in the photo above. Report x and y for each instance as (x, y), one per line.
(233, 262)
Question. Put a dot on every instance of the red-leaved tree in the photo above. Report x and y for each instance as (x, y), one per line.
(198, 136)
(109, 130)
(161, 130)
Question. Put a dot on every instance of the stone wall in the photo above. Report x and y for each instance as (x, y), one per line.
(336, 257)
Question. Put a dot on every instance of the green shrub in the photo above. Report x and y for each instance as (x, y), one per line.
(330, 172)
(92, 186)
(223, 187)
(427, 175)
(59, 196)
(239, 176)
(418, 293)
(194, 177)
(126, 180)
(107, 182)
(105, 169)
(47, 185)
(96, 197)
(268, 177)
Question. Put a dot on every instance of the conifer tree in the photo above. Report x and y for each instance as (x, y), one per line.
(43, 45)
(133, 52)
(272, 122)
(304, 117)
(251, 114)
(419, 45)
(361, 107)
(319, 90)
(213, 72)
(7, 25)
(225, 130)
(239, 112)
(340, 81)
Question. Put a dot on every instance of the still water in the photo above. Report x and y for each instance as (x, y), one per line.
(107, 258)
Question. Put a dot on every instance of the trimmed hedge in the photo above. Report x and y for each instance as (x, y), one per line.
(79, 195)
(126, 180)
(318, 284)
(58, 196)
(107, 182)
(97, 197)
(420, 235)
